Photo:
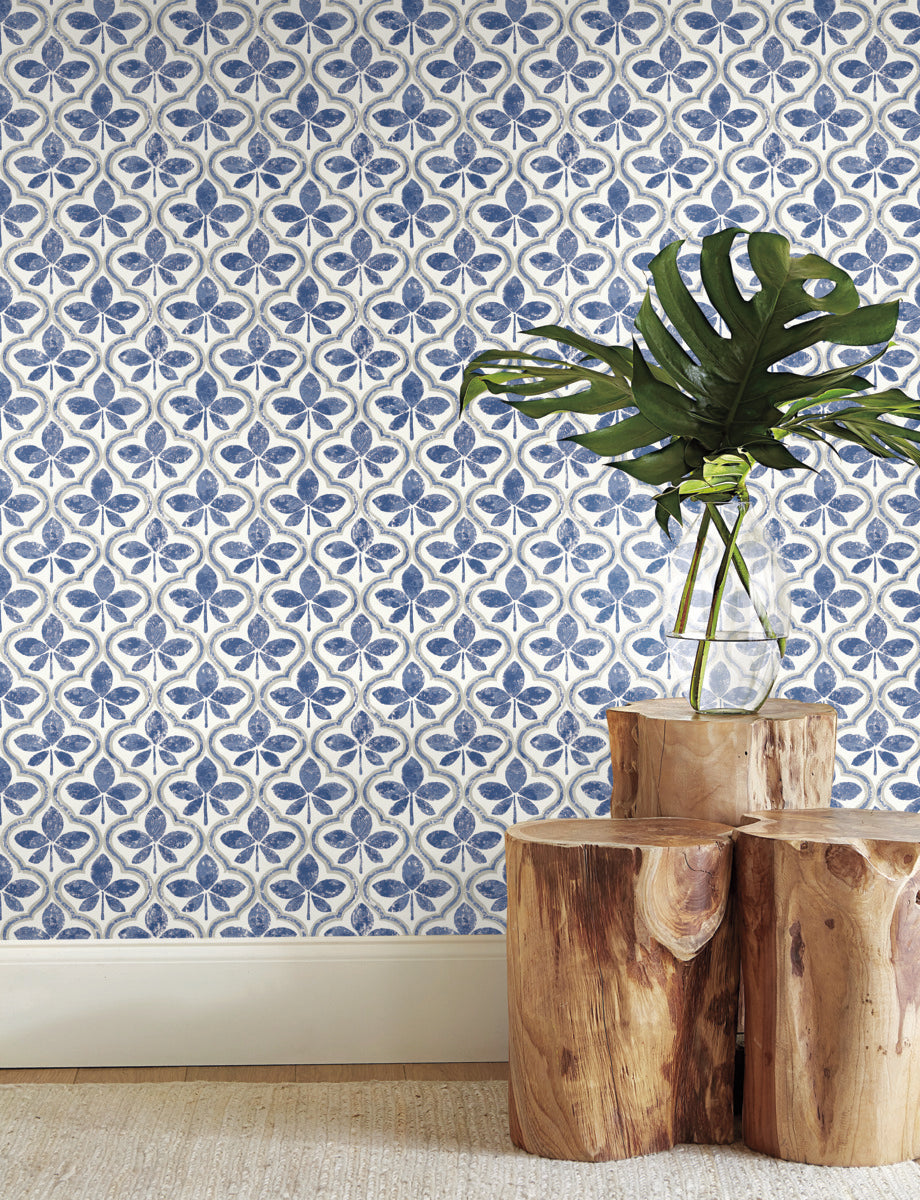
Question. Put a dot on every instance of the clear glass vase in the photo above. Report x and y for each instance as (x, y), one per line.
(731, 608)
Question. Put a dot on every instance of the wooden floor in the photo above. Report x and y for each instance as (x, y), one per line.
(340, 1073)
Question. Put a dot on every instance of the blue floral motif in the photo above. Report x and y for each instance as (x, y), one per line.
(207, 888)
(311, 23)
(52, 840)
(308, 696)
(155, 165)
(517, 795)
(103, 793)
(411, 697)
(570, 168)
(257, 839)
(155, 840)
(465, 744)
(101, 887)
(258, 924)
(360, 70)
(515, 22)
(877, 744)
(825, 599)
(207, 793)
(413, 312)
(308, 119)
(517, 599)
(206, 697)
(207, 19)
(207, 119)
(876, 165)
(568, 70)
(52, 927)
(773, 69)
(52, 552)
(568, 742)
(465, 71)
(257, 70)
(619, 21)
(719, 119)
(774, 165)
(155, 648)
(514, 117)
(463, 841)
(824, 22)
(14, 120)
(412, 793)
(155, 743)
(567, 648)
(154, 69)
(514, 696)
(310, 794)
(412, 888)
(310, 407)
(258, 165)
(619, 598)
(876, 648)
(306, 890)
(411, 504)
(827, 690)
(311, 600)
(52, 70)
(239, 506)
(412, 215)
(669, 69)
(361, 744)
(619, 689)
(824, 118)
(361, 840)
(154, 262)
(53, 167)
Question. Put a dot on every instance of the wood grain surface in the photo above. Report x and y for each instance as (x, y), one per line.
(623, 981)
(830, 915)
(671, 761)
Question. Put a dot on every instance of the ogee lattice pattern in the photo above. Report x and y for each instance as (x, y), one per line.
(285, 644)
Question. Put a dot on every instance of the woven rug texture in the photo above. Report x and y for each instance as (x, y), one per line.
(354, 1141)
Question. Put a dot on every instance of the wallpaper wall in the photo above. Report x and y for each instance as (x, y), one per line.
(285, 644)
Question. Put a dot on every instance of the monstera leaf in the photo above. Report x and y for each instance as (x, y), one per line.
(712, 405)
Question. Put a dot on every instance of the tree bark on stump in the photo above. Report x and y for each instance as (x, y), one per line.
(671, 761)
(622, 986)
(830, 917)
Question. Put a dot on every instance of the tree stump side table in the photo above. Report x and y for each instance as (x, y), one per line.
(671, 761)
(830, 946)
(622, 986)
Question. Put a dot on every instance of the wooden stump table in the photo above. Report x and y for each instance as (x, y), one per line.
(622, 986)
(830, 914)
(671, 761)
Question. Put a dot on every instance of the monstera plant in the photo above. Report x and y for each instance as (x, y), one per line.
(702, 407)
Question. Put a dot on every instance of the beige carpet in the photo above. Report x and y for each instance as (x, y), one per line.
(353, 1141)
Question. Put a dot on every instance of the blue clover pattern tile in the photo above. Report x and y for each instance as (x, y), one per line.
(285, 643)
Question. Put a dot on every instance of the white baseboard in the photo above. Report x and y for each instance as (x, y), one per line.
(323, 1000)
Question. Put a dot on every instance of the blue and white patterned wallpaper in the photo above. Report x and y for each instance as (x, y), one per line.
(285, 644)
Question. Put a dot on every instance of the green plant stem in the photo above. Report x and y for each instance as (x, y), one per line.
(731, 557)
(715, 607)
(744, 575)
(686, 595)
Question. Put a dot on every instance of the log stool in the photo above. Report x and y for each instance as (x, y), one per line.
(622, 986)
(830, 917)
(671, 761)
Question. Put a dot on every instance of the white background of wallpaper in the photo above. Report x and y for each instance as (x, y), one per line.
(318, 641)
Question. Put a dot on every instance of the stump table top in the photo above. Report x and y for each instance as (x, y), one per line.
(834, 826)
(677, 709)
(625, 832)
